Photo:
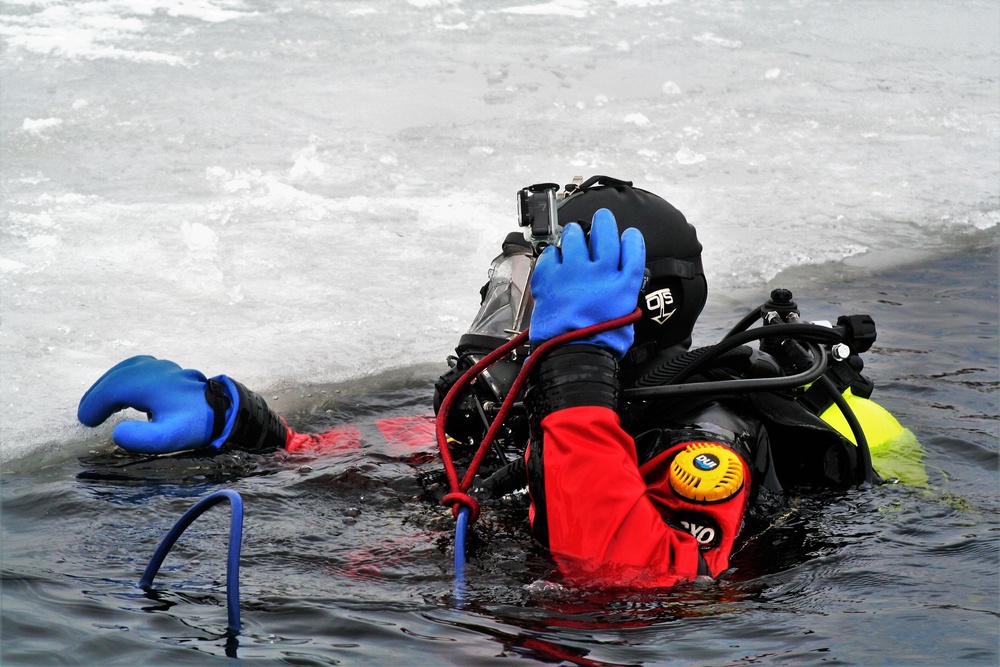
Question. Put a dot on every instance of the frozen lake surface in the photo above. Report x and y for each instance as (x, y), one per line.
(304, 192)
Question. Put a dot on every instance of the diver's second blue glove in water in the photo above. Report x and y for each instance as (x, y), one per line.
(186, 410)
(576, 285)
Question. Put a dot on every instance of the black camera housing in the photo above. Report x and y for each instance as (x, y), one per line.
(536, 212)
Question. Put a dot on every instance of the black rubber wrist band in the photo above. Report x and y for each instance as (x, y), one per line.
(218, 400)
(256, 427)
(573, 376)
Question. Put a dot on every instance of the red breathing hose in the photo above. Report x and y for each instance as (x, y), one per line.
(459, 491)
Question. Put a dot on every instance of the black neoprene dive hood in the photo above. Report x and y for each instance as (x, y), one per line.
(676, 291)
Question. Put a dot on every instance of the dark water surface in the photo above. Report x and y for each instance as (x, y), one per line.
(345, 562)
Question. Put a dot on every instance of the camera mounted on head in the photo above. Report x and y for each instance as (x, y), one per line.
(536, 212)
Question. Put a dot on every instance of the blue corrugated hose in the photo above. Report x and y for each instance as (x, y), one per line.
(233, 562)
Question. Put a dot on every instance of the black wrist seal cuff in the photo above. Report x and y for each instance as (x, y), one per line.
(572, 376)
(256, 428)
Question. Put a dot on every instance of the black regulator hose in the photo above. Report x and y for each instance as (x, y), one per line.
(866, 470)
(811, 333)
(811, 374)
(814, 333)
(744, 323)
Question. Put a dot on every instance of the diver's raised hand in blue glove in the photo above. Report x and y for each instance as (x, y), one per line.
(186, 410)
(576, 285)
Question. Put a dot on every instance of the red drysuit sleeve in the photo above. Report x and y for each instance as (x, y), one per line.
(602, 526)
(327, 442)
(395, 436)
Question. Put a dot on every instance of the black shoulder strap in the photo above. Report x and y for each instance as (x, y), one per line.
(606, 181)
(672, 267)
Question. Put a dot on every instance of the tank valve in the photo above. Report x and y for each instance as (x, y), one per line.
(840, 351)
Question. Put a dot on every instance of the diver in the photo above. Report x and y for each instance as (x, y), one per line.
(641, 456)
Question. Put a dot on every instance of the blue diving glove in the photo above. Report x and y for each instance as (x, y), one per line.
(187, 411)
(575, 286)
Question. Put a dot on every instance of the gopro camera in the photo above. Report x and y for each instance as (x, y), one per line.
(536, 211)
